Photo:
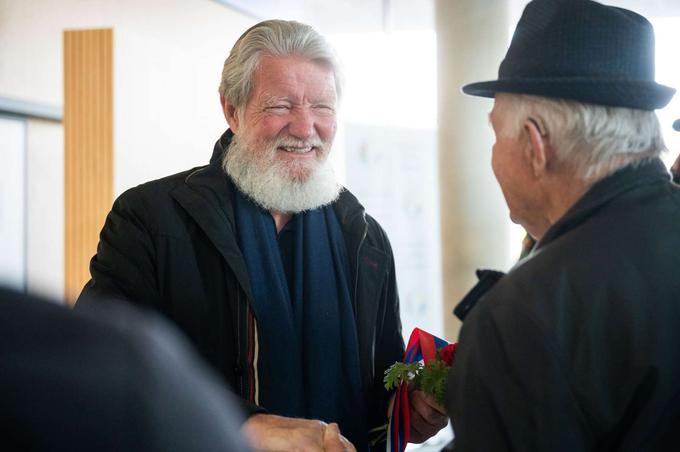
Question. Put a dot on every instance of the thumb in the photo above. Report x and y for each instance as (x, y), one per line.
(334, 441)
(333, 429)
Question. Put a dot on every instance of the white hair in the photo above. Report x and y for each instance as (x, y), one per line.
(594, 140)
(277, 38)
(271, 183)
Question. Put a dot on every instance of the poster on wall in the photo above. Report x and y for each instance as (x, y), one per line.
(393, 173)
(13, 203)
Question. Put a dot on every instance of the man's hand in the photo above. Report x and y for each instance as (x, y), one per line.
(267, 432)
(334, 441)
(427, 417)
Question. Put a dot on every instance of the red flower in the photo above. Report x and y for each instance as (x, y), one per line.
(447, 353)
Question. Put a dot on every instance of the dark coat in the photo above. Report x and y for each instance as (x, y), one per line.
(577, 348)
(105, 379)
(171, 245)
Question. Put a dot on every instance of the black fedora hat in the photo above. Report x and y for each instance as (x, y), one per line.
(580, 50)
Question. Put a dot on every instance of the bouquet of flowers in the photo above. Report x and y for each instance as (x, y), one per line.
(425, 366)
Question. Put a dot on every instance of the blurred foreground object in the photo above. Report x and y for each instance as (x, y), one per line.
(675, 169)
(79, 380)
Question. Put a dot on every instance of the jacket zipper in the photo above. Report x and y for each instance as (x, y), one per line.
(356, 275)
(239, 344)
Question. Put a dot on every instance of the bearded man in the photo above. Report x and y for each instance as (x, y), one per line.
(270, 267)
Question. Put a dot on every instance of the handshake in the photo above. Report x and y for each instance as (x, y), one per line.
(268, 432)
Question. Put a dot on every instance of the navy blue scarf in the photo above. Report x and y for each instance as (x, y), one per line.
(307, 332)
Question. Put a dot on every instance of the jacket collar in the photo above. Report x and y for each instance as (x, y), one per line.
(220, 148)
(602, 192)
(628, 178)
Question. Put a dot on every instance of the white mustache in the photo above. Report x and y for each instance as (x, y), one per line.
(299, 146)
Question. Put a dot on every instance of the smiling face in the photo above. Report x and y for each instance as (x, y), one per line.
(282, 137)
(290, 119)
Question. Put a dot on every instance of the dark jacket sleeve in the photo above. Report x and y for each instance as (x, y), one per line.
(124, 266)
(508, 389)
(389, 340)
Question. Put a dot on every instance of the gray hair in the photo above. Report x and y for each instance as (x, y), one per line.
(593, 139)
(278, 38)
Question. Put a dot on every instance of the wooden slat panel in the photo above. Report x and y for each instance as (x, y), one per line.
(88, 149)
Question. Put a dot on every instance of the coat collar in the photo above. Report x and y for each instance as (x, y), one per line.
(221, 147)
(629, 177)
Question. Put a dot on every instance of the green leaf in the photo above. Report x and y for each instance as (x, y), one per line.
(430, 378)
(433, 380)
(399, 372)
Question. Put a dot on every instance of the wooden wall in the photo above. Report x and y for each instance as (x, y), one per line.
(88, 149)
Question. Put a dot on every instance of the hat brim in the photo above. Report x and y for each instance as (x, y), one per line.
(614, 93)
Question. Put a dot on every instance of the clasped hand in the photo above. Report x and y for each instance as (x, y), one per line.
(268, 432)
(427, 416)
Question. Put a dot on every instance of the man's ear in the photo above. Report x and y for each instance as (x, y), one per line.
(536, 148)
(230, 114)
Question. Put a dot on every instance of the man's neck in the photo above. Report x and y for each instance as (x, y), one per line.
(563, 193)
(280, 219)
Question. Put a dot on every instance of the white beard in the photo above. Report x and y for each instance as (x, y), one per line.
(281, 186)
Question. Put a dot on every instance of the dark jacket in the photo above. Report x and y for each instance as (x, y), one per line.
(171, 245)
(577, 347)
(105, 379)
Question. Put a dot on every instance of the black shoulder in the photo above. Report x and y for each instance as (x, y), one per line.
(154, 190)
(150, 205)
(377, 236)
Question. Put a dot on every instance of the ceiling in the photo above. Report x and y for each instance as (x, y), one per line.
(649, 8)
(344, 16)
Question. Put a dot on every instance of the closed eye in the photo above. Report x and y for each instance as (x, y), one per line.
(324, 108)
(278, 109)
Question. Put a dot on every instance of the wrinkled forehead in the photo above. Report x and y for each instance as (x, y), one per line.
(329, 66)
(287, 76)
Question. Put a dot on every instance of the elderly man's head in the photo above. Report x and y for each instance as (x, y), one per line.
(549, 148)
(591, 140)
(280, 88)
(574, 101)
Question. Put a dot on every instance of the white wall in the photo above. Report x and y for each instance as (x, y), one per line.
(12, 202)
(168, 58)
(167, 111)
(473, 212)
(167, 62)
(388, 143)
(45, 208)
